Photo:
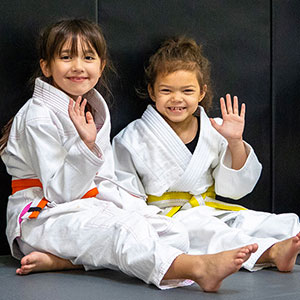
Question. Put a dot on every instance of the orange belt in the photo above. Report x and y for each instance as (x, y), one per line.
(22, 184)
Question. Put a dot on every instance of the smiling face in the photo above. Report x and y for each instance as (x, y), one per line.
(76, 73)
(176, 96)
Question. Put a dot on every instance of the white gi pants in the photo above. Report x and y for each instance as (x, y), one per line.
(98, 234)
(210, 234)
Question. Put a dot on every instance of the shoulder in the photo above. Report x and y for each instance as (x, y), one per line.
(211, 134)
(132, 131)
(33, 112)
(36, 118)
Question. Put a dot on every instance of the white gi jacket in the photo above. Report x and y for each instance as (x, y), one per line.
(152, 159)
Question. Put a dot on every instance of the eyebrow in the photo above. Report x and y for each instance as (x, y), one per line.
(185, 87)
(85, 52)
(65, 51)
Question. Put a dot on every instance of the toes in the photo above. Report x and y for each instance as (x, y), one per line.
(25, 261)
(25, 269)
(19, 271)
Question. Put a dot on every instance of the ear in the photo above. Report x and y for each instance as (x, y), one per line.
(203, 93)
(151, 92)
(45, 68)
(102, 67)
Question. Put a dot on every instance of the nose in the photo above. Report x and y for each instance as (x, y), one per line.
(177, 96)
(77, 65)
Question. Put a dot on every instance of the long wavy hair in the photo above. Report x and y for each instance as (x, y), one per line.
(50, 44)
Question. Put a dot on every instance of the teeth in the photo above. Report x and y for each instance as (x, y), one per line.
(176, 108)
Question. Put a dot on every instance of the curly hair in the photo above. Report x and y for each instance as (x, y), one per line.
(181, 53)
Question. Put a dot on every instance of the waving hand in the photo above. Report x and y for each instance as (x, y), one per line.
(232, 129)
(233, 124)
(84, 123)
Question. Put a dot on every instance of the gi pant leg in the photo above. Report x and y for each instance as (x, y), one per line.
(263, 224)
(210, 234)
(98, 234)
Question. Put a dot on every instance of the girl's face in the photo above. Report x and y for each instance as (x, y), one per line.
(176, 96)
(77, 74)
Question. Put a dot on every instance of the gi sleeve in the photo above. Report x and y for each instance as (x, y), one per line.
(129, 178)
(236, 184)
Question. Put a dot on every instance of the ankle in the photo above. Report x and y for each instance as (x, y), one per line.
(198, 268)
(268, 256)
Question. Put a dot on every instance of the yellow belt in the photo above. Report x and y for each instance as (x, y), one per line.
(166, 199)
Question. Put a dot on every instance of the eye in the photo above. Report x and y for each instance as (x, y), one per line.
(188, 91)
(165, 91)
(65, 57)
(89, 57)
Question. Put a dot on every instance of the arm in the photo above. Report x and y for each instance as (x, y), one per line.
(129, 178)
(125, 169)
(239, 169)
(236, 184)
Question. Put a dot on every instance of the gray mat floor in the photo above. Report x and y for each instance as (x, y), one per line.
(111, 285)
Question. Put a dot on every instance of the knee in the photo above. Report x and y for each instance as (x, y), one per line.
(293, 219)
(179, 236)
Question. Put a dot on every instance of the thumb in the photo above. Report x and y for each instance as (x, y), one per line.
(214, 124)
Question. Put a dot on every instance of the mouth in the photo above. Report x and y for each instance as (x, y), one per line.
(77, 79)
(176, 109)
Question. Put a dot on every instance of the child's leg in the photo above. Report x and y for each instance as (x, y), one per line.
(208, 271)
(282, 254)
(208, 234)
(263, 225)
(39, 262)
(216, 236)
(100, 235)
(284, 228)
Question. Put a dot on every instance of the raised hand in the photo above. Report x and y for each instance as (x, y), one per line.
(232, 130)
(233, 124)
(84, 123)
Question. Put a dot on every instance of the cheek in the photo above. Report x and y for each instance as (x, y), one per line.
(158, 105)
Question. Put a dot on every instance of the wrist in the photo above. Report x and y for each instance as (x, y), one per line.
(91, 146)
(235, 143)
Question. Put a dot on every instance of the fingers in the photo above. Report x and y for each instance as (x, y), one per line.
(89, 118)
(230, 108)
(223, 107)
(82, 107)
(235, 105)
(71, 108)
(78, 108)
(243, 110)
(229, 104)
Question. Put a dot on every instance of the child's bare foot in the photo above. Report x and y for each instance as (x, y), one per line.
(283, 254)
(217, 267)
(208, 271)
(39, 262)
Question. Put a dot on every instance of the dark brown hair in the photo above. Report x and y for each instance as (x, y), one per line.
(54, 37)
(51, 42)
(181, 53)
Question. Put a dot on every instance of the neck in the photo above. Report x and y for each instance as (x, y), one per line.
(186, 130)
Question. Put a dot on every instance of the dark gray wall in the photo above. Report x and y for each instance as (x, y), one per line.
(286, 105)
(253, 47)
